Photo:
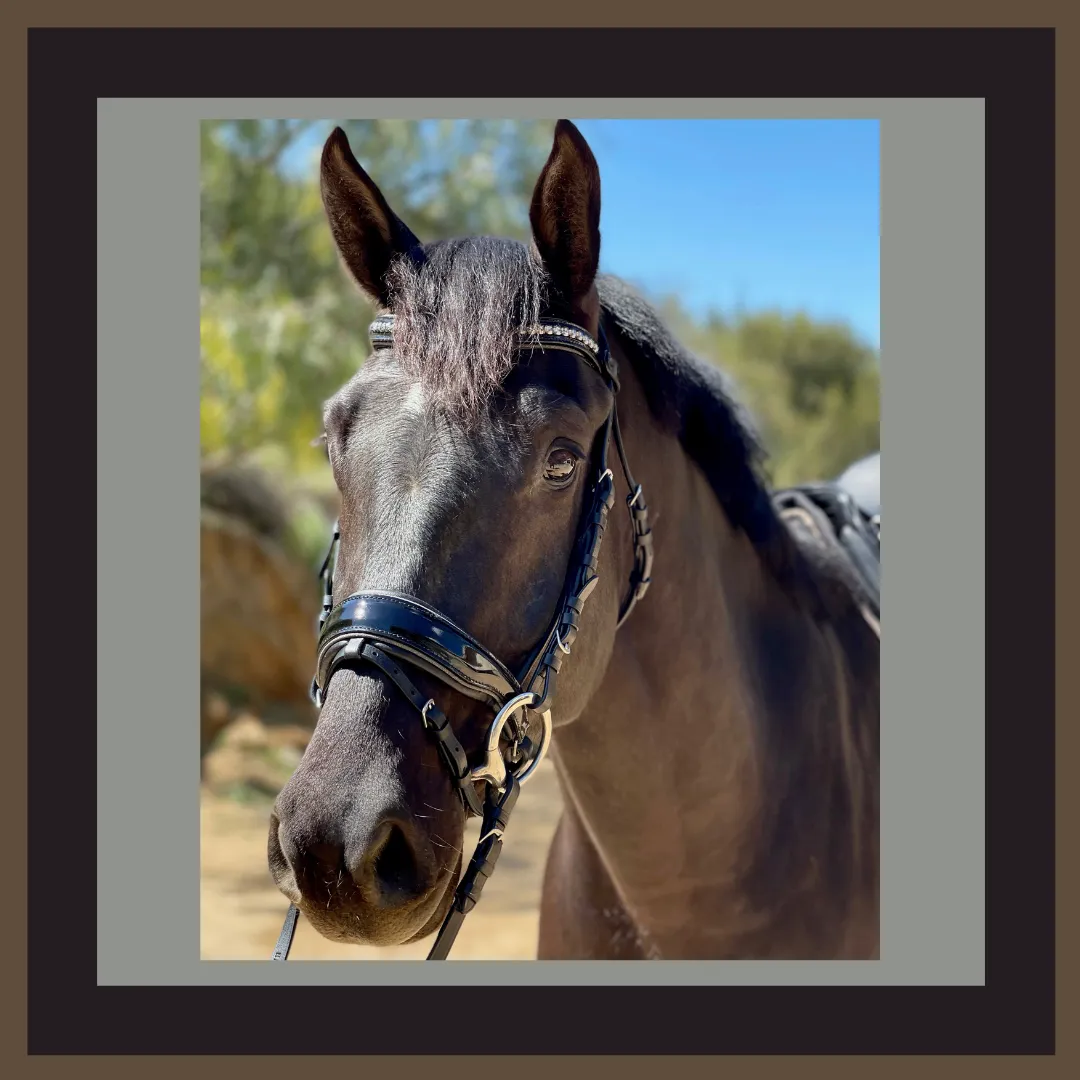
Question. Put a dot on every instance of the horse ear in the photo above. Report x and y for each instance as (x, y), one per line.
(565, 213)
(367, 232)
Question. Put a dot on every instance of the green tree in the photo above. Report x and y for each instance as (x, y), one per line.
(812, 387)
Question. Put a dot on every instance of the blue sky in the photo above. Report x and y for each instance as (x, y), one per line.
(758, 213)
(779, 214)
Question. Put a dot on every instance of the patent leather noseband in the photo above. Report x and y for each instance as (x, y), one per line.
(418, 634)
(388, 630)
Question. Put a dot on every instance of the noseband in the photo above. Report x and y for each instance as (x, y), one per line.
(389, 630)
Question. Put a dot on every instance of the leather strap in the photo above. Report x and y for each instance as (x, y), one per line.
(285, 938)
(420, 635)
(482, 865)
(641, 575)
(432, 717)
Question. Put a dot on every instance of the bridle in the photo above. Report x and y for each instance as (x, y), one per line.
(388, 630)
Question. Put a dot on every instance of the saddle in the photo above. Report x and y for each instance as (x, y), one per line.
(846, 512)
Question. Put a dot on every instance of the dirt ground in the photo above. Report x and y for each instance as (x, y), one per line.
(242, 911)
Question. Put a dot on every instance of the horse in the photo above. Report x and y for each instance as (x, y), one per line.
(705, 680)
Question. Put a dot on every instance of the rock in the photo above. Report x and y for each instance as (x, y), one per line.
(259, 611)
(215, 715)
(248, 494)
(246, 732)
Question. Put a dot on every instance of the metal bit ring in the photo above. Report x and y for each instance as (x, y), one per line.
(493, 768)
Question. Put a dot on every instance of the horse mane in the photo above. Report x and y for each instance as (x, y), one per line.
(457, 314)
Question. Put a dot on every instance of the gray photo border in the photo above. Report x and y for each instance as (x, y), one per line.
(933, 667)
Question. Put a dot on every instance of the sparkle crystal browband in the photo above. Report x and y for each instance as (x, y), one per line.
(547, 332)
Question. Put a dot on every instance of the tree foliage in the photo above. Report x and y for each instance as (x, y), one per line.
(282, 327)
(812, 387)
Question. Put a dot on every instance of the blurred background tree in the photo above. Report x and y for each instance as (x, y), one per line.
(812, 387)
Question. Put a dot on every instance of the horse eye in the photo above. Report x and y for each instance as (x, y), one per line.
(560, 467)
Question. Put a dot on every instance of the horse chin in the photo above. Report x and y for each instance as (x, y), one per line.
(384, 929)
(440, 911)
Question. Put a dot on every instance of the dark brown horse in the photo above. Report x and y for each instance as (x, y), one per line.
(718, 753)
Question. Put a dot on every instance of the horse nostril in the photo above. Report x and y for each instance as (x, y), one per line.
(390, 871)
(395, 864)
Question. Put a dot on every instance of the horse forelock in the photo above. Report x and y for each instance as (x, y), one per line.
(458, 313)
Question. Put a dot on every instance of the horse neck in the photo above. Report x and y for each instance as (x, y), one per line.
(726, 769)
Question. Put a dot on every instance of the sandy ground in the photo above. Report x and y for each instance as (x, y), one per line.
(242, 911)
